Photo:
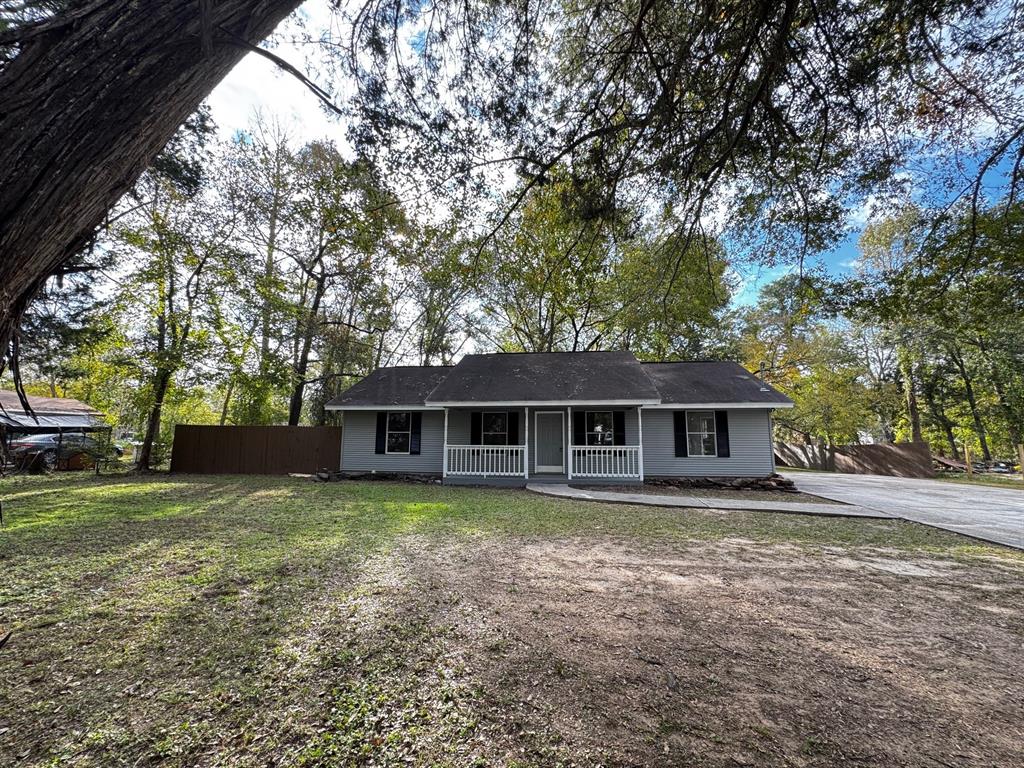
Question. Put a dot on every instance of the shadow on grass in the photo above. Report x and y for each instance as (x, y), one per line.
(170, 618)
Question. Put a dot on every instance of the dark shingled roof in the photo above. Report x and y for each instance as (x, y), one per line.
(710, 382)
(393, 386)
(583, 377)
(546, 377)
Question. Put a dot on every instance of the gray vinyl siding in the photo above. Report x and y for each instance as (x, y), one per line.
(750, 447)
(359, 439)
(750, 443)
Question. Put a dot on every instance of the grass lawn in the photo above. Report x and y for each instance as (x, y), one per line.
(998, 481)
(215, 621)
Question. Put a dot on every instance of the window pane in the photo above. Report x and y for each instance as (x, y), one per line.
(700, 421)
(494, 422)
(709, 445)
(398, 422)
(694, 445)
(600, 421)
(494, 438)
(398, 442)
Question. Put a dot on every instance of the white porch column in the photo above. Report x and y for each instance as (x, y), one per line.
(526, 443)
(444, 461)
(568, 445)
(640, 438)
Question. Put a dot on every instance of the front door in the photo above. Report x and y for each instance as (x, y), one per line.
(550, 448)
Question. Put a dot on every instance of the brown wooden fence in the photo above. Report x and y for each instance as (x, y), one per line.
(255, 450)
(899, 459)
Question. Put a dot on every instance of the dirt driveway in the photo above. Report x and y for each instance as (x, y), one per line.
(993, 514)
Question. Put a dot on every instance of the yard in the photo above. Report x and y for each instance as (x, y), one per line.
(199, 621)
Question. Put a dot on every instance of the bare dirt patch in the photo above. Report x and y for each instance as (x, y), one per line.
(731, 654)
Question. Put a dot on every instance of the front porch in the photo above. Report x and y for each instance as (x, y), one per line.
(519, 444)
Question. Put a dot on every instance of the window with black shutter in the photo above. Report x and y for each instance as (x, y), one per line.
(399, 432)
(679, 431)
(494, 428)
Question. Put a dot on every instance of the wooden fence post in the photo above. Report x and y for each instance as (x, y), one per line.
(967, 459)
(1020, 453)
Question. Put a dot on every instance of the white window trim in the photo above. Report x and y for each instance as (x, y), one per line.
(389, 431)
(713, 433)
(483, 417)
(587, 432)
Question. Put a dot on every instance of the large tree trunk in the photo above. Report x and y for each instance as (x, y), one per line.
(302, 361)
(163, 380)
(92, 97)
(910, 395)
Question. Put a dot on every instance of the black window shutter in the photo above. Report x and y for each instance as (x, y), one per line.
(475, 428)
(579, 428)
(382, 428)
(513, 428)
(415, 430)
(619, 425)
(679, 427)
(722, 433)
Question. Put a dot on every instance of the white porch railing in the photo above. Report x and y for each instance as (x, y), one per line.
(605, 461)
(485, 460)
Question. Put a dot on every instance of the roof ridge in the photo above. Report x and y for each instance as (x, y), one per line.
(555, 352)
(700, 360)
(390, 367)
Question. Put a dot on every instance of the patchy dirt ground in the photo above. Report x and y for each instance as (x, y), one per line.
(241, 622)
(737, 654)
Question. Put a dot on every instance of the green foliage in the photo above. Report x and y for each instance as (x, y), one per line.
(810, 359)
(561, 279)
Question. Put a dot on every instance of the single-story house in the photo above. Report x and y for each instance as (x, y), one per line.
(512, 418)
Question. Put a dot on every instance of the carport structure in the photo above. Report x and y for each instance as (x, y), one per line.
(49, 416)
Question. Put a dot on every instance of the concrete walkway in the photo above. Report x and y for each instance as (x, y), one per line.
(673, 500)
(981, 511)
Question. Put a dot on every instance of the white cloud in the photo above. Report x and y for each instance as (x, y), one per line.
(257, 84)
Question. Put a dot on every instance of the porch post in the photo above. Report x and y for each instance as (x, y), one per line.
(568, 445)
(640, 438)
(444, 461)
(526, 443)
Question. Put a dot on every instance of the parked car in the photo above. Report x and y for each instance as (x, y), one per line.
(41, 451)
(1002, 468)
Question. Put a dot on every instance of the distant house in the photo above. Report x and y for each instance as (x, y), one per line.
(560, 416)
(49, 415)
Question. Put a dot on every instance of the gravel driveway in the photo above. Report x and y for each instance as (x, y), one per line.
(993, 514)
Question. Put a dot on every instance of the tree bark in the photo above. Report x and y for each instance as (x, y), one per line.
(227, 401)
(910, 394)
(87, 105)
(302, 361)
(163, 380)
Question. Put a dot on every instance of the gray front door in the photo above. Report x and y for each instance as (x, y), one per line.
(550, 450)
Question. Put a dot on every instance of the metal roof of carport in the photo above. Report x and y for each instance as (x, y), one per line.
(50, 415)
